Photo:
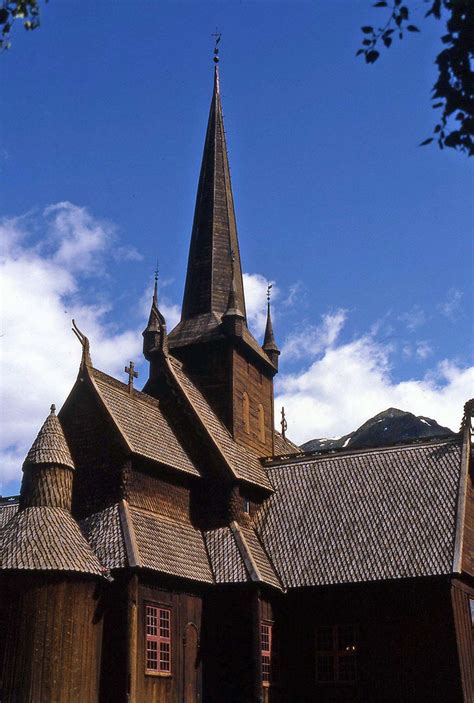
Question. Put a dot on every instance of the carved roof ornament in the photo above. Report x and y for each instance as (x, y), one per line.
(283, 423)
(468, 416)
(86, 357)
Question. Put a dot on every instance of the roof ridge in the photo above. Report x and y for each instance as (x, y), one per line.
(137, 394)
(285, 459)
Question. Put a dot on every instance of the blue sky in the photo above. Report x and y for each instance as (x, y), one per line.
(367, 237)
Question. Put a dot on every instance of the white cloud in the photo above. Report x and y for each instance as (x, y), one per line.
(451, 307)
(414, 318)
(40, 294)
(350, 382)
(314, 338)
(255, 288)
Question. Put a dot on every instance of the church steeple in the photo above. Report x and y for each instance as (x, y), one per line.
(214, 236)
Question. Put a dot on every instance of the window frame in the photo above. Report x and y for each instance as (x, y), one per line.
(261, 424)
(337, 654)
(159, 639)
(266, 654)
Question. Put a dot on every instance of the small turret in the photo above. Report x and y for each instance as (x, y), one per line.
(155, 337)
(48, 469)
(233, 318)
(269, 344)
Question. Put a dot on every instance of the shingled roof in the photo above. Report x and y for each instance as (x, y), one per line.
(46, 539)
(142, 423)
(50, 445)
(242, 462)
(237, 556)
(363, 515)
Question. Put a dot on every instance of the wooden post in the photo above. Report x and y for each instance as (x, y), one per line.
(257, 697)
(132, 638)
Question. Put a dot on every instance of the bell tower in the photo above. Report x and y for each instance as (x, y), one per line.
(212, 339)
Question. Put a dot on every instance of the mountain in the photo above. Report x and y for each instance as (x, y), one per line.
(391, 426)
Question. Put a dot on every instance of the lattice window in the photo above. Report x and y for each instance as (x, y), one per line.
(266, 632)
(336, 654)
(158, 639)
(471, 607)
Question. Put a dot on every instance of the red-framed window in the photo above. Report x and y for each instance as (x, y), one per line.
(158, 639)
(266, 637)
(336, 654)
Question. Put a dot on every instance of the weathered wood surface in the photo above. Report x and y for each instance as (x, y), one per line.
(186, 667)
(53, 641)
(460, 594)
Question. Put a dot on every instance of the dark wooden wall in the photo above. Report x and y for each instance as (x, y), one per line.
(249, 378)
(97, 453)
(148, 488)
(229, 647)
(461, 593)
(406, 651)
(185, 682)
(53, 640)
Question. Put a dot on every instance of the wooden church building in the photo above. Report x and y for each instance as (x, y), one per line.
(169, 546)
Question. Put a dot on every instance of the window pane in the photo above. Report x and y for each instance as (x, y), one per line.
(151, 620)
(324, 639)
(347, 668)
(164, 623)
(346, 638)
(165, 656)
(325, 667)
(471, 605)
(152, 655)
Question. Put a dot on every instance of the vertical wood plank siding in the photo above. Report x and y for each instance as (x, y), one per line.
(468, 542)
(460, 594)
(247, 378)
(53, 641)
(186, 676)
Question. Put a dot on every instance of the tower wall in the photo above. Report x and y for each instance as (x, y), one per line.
(53, 638)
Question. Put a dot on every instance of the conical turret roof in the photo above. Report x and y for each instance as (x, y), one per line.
(50, 446)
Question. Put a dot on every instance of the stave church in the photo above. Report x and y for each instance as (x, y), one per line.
(170, 546)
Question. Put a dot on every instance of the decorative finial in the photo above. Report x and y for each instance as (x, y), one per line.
(284, 424)
(86, 357)
(130, 369)
(155, 287)
(217, 35)
(269, 295)
(53, 409)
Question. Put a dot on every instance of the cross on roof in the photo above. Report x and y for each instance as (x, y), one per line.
(130, 369)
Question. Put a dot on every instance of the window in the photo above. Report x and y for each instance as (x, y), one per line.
(246, 412)
(261, 423)
(266, 643)
(246, 505)
(471, 606)
(336, 654)
(158, 640)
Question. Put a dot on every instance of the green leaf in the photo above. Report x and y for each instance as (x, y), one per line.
(367, 42)
(427, 141)
(387, 41)
(382, 3)
(3, 16)
(412, 28)
(359, 52)
(367, 30)
(437, 105)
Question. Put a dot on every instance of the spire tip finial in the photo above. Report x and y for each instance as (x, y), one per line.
(269, 292)
(217, 35)
(53, 409)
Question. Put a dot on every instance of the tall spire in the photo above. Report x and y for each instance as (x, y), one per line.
(214, 235)
(269, 344)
